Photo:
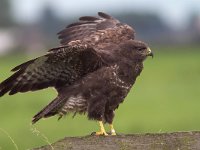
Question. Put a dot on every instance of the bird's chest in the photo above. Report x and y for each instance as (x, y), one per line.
(121, 81)
(117, 81)
(117, 87)
(125, 74)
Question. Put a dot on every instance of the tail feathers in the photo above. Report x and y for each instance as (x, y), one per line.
(50, 110)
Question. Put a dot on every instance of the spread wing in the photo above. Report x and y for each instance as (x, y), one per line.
(75, 98)
(61, 66)
(96, 29)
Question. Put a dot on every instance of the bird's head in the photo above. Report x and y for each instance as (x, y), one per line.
(136, 50)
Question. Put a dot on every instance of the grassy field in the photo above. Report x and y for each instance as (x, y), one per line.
(165, 98)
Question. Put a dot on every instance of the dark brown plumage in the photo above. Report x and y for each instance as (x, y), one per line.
(93, 69)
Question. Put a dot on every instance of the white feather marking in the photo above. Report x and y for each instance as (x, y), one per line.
(74, 104)
(117, 81)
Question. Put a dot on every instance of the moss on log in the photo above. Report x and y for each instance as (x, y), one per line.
(159, 141)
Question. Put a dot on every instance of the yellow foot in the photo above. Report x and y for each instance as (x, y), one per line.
(102, 130)
(113, 133)
(112, 130)
(101, 133)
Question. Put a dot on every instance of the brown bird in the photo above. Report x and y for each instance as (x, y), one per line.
(93, 70)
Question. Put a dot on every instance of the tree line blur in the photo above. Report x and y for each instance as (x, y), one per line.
(41, 35)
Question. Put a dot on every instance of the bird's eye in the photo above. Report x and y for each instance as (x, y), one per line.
(140, 49)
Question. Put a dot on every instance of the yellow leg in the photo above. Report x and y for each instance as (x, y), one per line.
(112, 130)
(102, 129)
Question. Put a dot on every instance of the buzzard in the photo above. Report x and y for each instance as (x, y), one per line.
(92, 70)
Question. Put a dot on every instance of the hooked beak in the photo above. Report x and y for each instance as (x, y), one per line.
(149, 52)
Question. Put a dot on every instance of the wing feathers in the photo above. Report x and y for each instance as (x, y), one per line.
(23, 65)
(61, 66)
(88, 18)
(104, 15)
(89, 29)
(7, 84)
(76, 32)
(86, 28)
(31, 75)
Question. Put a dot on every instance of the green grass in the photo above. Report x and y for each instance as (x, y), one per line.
(165, 98)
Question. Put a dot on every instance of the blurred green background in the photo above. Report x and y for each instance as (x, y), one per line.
(165, 98)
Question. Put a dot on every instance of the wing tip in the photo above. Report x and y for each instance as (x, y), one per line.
(2, 93)
(4, 89)
(35, 119)
(104, 15)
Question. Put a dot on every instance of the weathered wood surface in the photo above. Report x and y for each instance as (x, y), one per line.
(159, 141)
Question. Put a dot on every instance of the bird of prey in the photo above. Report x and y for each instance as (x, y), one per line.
(93, 70)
